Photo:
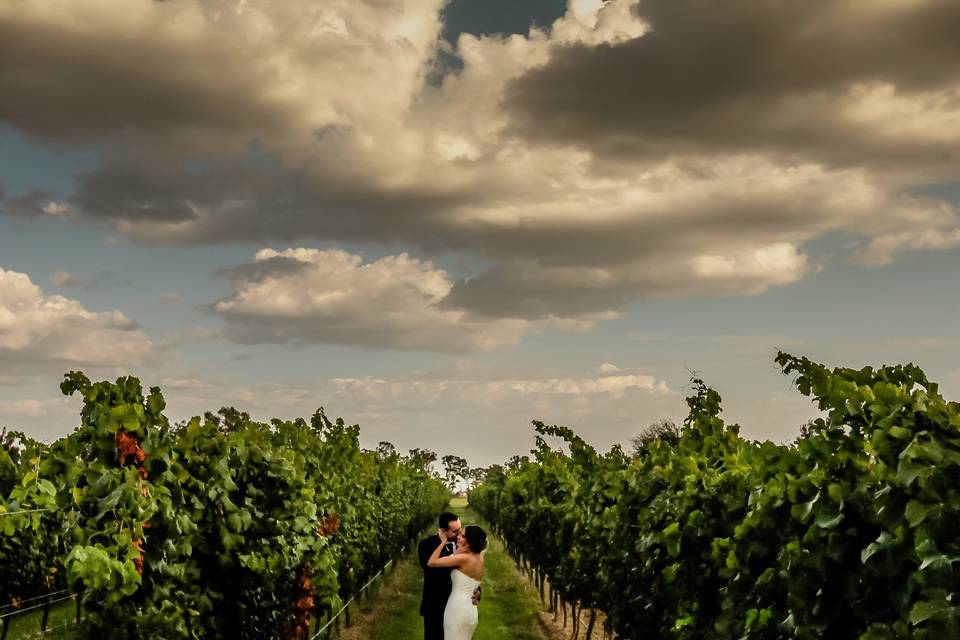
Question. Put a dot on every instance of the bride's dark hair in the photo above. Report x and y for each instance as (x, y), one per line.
(476, 538)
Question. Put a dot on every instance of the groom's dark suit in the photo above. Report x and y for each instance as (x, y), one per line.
(436, 588)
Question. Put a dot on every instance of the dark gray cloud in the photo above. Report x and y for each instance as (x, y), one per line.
(76, 85)
(272, 267)
(708, 221)
(225, 200)
(535, 290)
(750, 75)
(162, 193)
(519, 289)
(31, 204)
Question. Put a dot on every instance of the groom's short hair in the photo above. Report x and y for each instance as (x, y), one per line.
(446, 518)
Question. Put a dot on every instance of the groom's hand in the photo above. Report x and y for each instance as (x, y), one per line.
(476, 596)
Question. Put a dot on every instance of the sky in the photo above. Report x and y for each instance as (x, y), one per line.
(444, 219)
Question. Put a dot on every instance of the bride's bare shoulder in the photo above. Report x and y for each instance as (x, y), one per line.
(477, 567)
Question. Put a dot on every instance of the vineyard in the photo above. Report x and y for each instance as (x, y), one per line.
(852, 531)
(228, 527)
(219, 527)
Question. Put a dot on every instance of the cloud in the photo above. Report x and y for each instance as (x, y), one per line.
(213, 69)
(491, 411)
(34, 203)
(311, 296)
(610, 384)
(51, 334)
(102, 280)
(64, 279)
(35, 408)
(841, 83)
(629, 150)
(881, 249)
(528, 289)
(183, 383)
(276, 98)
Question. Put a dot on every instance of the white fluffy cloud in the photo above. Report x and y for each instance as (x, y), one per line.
(331, 296)
(51, 334)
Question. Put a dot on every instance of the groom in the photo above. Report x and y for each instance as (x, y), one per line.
(436, 580)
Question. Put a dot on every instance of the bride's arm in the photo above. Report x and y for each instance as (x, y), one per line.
(456, 560)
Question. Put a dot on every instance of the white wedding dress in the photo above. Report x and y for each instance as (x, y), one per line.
(460, 616)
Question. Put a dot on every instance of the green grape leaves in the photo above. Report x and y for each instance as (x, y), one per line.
(851, 531)
(220, 527)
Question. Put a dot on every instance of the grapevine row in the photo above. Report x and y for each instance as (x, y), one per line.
(219, 527)
(852, 531)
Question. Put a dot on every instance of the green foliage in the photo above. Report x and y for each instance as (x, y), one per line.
(455, 469)
(30, 540)
(221, 527)
(664, 430)
(851, 532)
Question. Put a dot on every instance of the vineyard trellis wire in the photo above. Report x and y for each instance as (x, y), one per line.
(5, 618)
(21, 602)
(337, 615)
(345, 608)
(19, 610)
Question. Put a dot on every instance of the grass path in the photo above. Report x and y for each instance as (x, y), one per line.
(508, 609)
(59, 624)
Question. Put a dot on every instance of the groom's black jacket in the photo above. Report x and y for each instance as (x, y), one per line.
(436, 580)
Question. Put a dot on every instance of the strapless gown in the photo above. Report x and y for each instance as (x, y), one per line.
(460, 616)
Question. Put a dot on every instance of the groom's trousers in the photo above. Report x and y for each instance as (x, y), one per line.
(433, 626)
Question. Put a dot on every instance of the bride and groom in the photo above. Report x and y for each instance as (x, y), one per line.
(452, 564)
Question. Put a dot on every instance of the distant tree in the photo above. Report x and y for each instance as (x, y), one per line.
(663, 430)
(477, 476)
(517, 461)
(455, 468)
(480, 474)
(386, 449)
(228, 419)
(423, 458)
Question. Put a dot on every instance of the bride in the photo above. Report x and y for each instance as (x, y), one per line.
(460, 616)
